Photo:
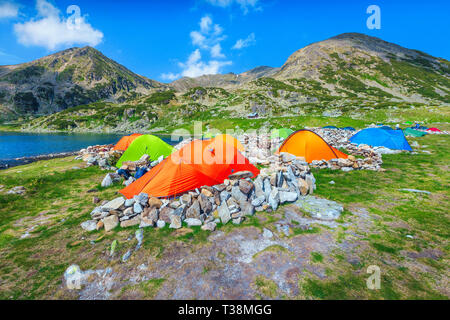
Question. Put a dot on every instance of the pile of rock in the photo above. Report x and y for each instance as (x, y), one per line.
(102, 155)
(234, 200)
(260, 149)
(19, 190)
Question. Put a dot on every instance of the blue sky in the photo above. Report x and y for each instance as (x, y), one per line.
(164, 40)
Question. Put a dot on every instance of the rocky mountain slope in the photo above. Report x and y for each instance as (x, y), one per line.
(66, 79)
(228, 80)
(350, 75)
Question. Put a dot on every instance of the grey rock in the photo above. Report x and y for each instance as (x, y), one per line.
(245, 186)
(288, 196)
(193, 222)
(107, 181)
(175, 221)
(247, 209)
(126, 256)
(210, 226)
(89, 225)
(160, 224)
(224, 196)
(141, 198)
(259, 200)
(259, 189)
(238, 220)
(137, 208)
(274, 199)
(128, 211)
(165, 213)
(129, 202)
(224, 213)
(194, 210)
(318, 208)
(267, 188)
(205, 204)
(238, 195)
(110, 222)
(114, 204)
(415, 190)
(267, 234)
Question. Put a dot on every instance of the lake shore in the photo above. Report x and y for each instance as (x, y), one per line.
(5, 164)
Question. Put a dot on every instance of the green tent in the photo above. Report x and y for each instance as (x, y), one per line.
(282, 133)
(413, 133)
(145, 144)
(409, 123)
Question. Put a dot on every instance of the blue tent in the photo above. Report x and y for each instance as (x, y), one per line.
(349, 128)
(376, 137)
(385, 128)
(329, 127)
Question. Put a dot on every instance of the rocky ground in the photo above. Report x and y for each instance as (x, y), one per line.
(316, 246)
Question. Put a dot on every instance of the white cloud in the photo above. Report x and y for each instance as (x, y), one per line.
(8, 10)
(51, 30)
(205, 24)
(195, 67)
(208, 39)
(216, 51)
(244, 4)
(243, 43)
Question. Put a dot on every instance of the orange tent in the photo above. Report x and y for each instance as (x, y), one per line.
(199, 163)
(231, 140)
(125, 141)
(311, 146)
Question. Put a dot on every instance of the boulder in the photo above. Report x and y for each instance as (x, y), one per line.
(303, 187)
(205, 204)
(247, 209)
(210, 226)
(193, 222)
(89, 225)
(274, 198)
(160, 224)
(110, 222)
(238, 195)
(107, 181)
(141, 198)
(318, 208)
(286, 196)
(129, 202)
(206, 193)
(175, 221)
(224, 213)
(165, 214)
(287, 157)
(131, 222)
(154, 202)
(267, 188)
(245, 186)
(129, 211)
(186, 199)
(224, 196)
(258, 185)
(240, 175)
(258, 201)
(137, 208)
(194, 210)
(114, 204)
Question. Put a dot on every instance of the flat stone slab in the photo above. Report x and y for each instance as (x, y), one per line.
(318, 208)
(415, 190)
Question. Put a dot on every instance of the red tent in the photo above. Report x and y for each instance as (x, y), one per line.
(433, 130)
(199, 163)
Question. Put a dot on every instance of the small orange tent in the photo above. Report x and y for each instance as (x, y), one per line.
(125, 141)
(311, 146)
(199, 163)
